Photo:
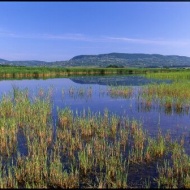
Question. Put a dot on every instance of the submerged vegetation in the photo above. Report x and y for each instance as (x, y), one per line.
(83, 149)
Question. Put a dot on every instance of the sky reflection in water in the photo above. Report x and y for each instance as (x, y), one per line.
(152, 119)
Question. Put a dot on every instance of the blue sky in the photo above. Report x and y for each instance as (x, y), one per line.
(54, 31)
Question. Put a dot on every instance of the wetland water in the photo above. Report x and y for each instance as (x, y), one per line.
(87, 92)
(92, 92)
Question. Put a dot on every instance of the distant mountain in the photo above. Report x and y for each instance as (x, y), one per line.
(29, 63)
(131, 60)
(111, 59)
(3, 61)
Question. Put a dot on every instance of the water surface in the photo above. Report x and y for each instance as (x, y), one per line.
(66, 93)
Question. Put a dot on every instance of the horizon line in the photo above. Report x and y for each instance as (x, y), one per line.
(95, 55)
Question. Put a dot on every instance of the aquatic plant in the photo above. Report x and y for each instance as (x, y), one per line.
(172, 97)
(120, 91)
(84, 149)
(170, 74)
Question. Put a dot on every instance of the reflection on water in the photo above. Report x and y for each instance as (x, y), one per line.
(130, 80)
(83, 93)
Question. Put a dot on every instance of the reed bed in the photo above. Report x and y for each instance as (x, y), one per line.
(7, 72)
(172, 75)
(174, 97)
(86, 149)
(79, 92)
(120, 91)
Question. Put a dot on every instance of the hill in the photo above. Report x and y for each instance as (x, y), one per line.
(132, 60)
(3, 61)
(111, 60)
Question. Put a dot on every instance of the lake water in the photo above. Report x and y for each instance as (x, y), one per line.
(66, 93)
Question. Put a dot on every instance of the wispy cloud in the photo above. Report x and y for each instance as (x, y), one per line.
(8, 34)
(85, 38)
(149, 41)
(77, 37)
(67, 36)
(46, 36)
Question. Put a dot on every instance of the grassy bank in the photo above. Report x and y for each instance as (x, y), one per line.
(176, 75)
(47, 72)
(174, 97)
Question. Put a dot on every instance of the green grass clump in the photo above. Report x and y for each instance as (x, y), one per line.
(174, 173)
(120, 91)
(172, 75)
(173, 97)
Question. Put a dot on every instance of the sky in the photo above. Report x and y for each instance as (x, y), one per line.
(58, 31)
